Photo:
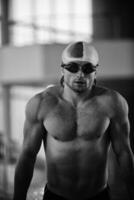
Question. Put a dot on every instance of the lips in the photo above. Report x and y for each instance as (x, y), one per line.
(80, 82)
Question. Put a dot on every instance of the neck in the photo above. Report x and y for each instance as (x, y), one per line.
(75, 97)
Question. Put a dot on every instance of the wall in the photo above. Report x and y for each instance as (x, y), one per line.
(40, 63)
(113, 19)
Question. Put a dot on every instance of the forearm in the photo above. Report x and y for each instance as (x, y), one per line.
(127, 171)
(23, 176)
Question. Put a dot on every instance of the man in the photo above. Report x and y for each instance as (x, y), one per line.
(77, 122)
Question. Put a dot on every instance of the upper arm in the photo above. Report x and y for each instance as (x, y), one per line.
(33, 127)
(120, 127)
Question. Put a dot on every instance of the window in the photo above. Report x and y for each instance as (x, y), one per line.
(48, 21)
(0, 24)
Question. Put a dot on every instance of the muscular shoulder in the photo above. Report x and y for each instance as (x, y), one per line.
(115, 102)
(32, 107)
(118, 104)
(40, 104)
(112, 101)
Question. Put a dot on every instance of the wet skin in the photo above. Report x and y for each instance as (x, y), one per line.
(76, 145)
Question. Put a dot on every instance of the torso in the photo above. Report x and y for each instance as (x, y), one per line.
(77, 145)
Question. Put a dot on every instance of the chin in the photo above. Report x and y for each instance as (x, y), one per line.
(80, 90)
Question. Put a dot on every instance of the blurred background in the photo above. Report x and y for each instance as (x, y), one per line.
(33, 34)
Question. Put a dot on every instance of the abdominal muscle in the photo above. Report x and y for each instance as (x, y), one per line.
(76, 168)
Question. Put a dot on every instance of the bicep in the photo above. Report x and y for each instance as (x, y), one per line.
(33, 127)
(120, 135)
(32, 137)
(120, 126)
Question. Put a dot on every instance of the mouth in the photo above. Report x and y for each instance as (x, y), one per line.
(79, 82)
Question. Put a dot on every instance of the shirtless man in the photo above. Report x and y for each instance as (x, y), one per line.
(77, 122)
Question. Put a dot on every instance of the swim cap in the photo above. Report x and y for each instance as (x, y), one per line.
(80, 51)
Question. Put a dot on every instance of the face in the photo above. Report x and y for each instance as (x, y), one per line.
(80, 78)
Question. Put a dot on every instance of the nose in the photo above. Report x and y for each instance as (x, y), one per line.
(80, 73)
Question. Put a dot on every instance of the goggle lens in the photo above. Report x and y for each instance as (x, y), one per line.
(86, 68)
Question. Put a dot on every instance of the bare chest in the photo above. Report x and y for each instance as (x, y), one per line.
(66, 123)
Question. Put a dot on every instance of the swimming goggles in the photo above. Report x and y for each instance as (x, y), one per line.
(74, 67)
